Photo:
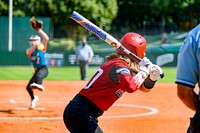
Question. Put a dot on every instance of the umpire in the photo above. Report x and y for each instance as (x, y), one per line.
(188, 75)
(84, 55)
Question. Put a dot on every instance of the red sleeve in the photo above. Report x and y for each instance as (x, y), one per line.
(127, 83)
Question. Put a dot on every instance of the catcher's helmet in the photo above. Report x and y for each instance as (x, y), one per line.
(34, 39)
(135, 43)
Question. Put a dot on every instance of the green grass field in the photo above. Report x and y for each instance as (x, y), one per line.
(64, 73)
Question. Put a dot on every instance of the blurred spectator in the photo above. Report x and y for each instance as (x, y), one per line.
(164, 38)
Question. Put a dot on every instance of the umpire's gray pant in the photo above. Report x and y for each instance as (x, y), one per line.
(83, 69)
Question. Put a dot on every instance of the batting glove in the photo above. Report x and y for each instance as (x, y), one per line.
(145, 65)
(155, 72)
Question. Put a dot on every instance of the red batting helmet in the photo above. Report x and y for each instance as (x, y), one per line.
(135, 43)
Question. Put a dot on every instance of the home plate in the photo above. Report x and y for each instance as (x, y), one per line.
(25, 108)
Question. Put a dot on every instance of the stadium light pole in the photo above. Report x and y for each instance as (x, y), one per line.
(10, 26)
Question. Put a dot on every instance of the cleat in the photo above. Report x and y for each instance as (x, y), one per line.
(37, 86)
(33, 102)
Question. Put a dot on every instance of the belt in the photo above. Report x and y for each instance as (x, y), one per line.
(89, 105)
(40, 67)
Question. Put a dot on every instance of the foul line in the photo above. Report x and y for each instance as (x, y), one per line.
(151, 112)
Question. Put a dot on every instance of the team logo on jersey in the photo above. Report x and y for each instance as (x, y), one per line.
(123, 71)
(119, 93)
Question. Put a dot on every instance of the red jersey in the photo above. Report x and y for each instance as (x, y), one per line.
(111, 80)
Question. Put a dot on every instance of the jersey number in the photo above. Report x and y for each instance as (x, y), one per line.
(94, 78)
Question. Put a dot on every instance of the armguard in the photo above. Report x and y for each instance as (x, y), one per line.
(148, 83)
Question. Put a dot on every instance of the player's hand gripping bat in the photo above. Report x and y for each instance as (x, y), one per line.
(103, 35)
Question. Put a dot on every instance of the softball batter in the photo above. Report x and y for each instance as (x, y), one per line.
(119, 74)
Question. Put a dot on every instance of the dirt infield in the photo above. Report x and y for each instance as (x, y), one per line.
(159, 111)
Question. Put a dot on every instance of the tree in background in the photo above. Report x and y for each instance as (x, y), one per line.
(133, 13)
(101, 12)
(3, 8)
(182, 12)
(18, 8)
(189, 15)
(121, 14)
(164, 10)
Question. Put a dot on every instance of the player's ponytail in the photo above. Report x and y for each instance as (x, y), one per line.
(132, 65)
